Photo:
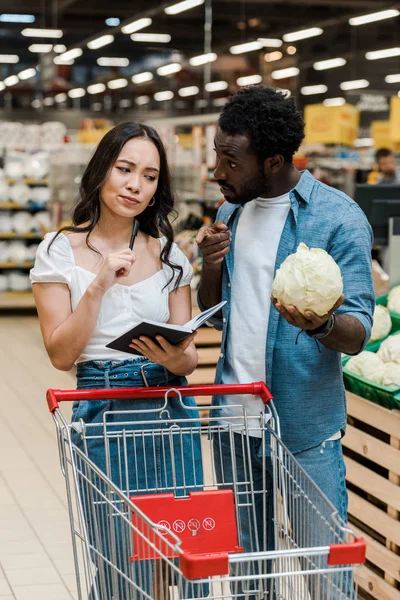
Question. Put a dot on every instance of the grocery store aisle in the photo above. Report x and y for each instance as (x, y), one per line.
(35, 549)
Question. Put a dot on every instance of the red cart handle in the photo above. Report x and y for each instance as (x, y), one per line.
(55, 396)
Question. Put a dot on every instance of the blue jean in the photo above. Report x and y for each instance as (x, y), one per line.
(241, 462)
(141, 453)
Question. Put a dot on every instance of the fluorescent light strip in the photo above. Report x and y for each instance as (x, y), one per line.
(285, 73)
(273, 56)
(191, 90)
(96, 88)
(9, 58)
(203, 59)
(355, 84)
(48, 101)
(141, 100)
(302, 34)
(10, 18)
(104, 40)
(136, 25)
(395, 78)
(371, 18)
(169, 69)
(61, 97)
(116, 84)
(309, 90)
(36, 103)
(59, 60)
(77, 93)
(247, 47)
(270, 42)
(12, 80)
(249, 80)
(181, 6)
(2, 86)
(47, 33)
(112, 22)
(166, 95)
(142, 77)
(109, 61)
(386, 53)
(72, 54)
(334, 102)
(27, 74)
(216, 86)
(59, 48)
(331, 63)
(160, 38)
(40, 48)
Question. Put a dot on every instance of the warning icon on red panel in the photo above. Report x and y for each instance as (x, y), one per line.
(164, 524)
(179, 526)
(208, 523)
(194, 525)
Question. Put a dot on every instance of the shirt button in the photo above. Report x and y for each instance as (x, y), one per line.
(221, 355)
(126, 291)
(229, 285)
(224, 320)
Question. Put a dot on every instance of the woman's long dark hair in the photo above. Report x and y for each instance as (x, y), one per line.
(154, 219)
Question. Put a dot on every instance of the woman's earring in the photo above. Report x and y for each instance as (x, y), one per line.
(152, 201)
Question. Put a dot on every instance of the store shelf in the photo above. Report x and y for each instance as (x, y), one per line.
(16, 300)
(27, 181)
(27, 207)
(27, 264)
(10, 235)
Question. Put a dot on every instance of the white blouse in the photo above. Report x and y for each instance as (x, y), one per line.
(123, 306)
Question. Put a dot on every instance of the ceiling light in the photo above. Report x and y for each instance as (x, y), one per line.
(96, 88)
(72, 54)
(273, 56)
(191, 90)
(331, 63)
(60, 97)
(142, 77)
(334, 102)
(393, 78)
(309, 90)
(216, 86)
(112, 22)
(302, 34)
(181, 6)
(284, 73)
(160, 96)
(161, 38)
(109, 61)
(247, 47)
(103, 40)
(116, 84)
(141, 100)
(36, 103)
(249, 80)
(220, 101)
(2, 86)
(270, 42)
(378, 16)
(363, 142)
(9, 58)
(40, 48)
(47, 33)
(10, 18)
(48, 101)
(169, 69)
(12, 80)
(59, 60)
(27, 74)
(59, 48)
(356, 84)
(291, 50)
(203, 59)
(387, 53)
(136, 25)
(77, 93)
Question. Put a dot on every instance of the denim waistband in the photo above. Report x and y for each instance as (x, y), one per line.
(134, 372)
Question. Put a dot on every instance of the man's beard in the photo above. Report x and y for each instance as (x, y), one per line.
(252, 188)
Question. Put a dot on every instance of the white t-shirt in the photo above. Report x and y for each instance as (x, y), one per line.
(257, 239)
(122, 306)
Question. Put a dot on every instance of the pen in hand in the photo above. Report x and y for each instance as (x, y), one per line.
(135, 230)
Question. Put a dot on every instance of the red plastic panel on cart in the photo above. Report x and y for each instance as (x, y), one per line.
(348, 554)
(205, 522)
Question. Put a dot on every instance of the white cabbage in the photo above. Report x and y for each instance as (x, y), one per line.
(391, 375)
(382, 323)
(367, 365)
(309, 279)
(389, 350)
(394, 299)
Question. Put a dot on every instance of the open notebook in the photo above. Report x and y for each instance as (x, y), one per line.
(172, 333)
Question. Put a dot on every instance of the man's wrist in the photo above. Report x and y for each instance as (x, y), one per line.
(323, 330)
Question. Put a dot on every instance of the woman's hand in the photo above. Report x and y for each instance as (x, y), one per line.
(115, 266)
(170, 356)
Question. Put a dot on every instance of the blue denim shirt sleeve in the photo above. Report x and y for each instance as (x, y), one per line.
(351, 248)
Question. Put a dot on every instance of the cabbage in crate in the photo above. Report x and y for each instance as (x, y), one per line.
(394, 299)
(309, 279)
(367, 365)
(382, 323)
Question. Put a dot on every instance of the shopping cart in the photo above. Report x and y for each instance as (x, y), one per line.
(201, 527)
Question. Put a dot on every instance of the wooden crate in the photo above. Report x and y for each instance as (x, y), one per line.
(372, 454)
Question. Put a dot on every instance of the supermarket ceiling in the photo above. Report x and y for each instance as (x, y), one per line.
(111, 42)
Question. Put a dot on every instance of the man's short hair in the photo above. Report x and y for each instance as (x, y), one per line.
(383, 153)
(269, 119)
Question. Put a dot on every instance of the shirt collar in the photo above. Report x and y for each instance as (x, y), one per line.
(305, 186)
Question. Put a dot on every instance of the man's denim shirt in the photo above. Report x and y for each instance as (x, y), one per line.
(305, 378)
